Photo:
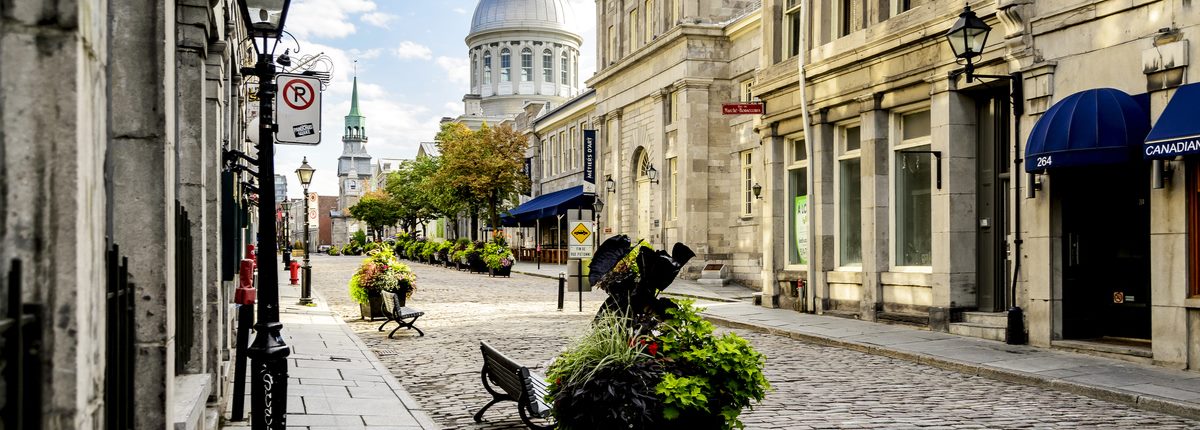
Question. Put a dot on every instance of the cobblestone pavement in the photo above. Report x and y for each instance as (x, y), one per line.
(813, 386)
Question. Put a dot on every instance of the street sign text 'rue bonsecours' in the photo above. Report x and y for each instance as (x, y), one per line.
(298, 109)
(751, 108)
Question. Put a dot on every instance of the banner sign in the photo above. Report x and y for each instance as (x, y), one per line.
(527, 170)
(589, 156)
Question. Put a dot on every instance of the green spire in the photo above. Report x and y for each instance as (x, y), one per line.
(354, 99)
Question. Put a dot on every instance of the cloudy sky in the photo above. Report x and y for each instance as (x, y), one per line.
(412, 71)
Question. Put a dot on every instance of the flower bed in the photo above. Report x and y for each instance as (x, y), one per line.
(651, 362)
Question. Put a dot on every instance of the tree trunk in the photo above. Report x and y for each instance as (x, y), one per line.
(474, 224)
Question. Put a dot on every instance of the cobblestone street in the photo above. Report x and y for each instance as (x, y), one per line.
(813, 386)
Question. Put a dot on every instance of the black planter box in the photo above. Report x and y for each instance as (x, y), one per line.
(373, 310)
(502, 271)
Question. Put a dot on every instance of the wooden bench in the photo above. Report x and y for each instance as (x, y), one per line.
(517, 383)
(395, 310)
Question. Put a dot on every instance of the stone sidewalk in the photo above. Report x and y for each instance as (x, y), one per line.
(335, 381)
(1148, 387)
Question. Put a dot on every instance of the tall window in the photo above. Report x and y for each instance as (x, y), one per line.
(487, 67)
(913, 202)
(673, 107)
(562, 151)
(849, 197)
(797, 203)
(675, 12)
(792, 19)
(632, 29)
(548, 66)
(505, 65)
(649, 11)
(563, 72)
(747, 176)
(546, 146)
(673, 201)
(901, 6)
(845, 11)
(744, 93)
(526, 65)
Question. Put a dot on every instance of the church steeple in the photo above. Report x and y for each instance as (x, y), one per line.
(354, 99)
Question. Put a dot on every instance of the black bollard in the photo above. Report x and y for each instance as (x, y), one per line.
(562, 291)
(245, 318)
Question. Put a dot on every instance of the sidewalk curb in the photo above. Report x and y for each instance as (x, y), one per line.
(1136, 400)
(421, 415)
(534, 274)
(699, 297)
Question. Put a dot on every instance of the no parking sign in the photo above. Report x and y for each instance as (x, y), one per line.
(298, 109)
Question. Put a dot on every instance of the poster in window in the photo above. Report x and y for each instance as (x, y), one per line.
(801, 230)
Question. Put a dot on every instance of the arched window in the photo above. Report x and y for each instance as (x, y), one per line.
(487, 67)
(505, 65)
(548, 66)
(526, 65)
(564, 70)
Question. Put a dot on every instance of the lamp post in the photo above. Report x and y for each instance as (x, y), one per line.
(286, 205)
(264, 19)
(967, 38)
(305, 173)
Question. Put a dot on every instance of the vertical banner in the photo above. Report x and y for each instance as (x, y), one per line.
(527, 169)
(589, 156)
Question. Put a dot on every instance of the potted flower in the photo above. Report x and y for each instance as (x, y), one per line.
(475, 258)
(443, 253)
(499, 259)
(651, 362)
(379, 272)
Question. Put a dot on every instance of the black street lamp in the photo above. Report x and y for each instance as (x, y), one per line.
(609, 184)
(264, 19)
(967, 38)
(305, 173)
(757, 189)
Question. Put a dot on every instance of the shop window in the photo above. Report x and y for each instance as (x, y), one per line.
(797, 204)
(913, 173)
(849, 198)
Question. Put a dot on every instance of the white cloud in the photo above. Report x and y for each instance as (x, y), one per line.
(584, 22)
(453, 108)
(378, 19)
(460, 10)
(457, 69)
(409, 50)
(369, 54)
(328, 19)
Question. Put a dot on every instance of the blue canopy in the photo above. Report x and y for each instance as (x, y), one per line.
(1177, 131)
(547, 205)
(1093, 127)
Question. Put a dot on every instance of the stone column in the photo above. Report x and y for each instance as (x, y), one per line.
(821, 208)
(953, 205)
(875, 154)
(214, 286)
(141, 159)
(190, 56)
(695, 193)
(52, 195)
(774, 213)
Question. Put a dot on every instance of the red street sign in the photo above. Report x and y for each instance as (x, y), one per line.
(742, 109)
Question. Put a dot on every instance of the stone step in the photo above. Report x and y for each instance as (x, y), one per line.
(191, 396)
(990, 319)
(979, 330)
(917, 320)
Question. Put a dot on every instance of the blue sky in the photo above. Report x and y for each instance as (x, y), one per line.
(412, 71)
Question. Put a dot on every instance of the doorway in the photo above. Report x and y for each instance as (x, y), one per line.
(1105, 252)
(992, 170)
(642, 182)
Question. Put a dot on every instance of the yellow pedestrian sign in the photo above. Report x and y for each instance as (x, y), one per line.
(581, 233)
(581, 247)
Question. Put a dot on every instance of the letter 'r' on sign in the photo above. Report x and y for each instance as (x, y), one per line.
(298, 109)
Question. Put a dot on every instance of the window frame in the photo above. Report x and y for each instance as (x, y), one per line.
(632, 29)
(526, 65)
(746, 177)
(673, 197)
(505, 65)
(795, 164)
(845, 155)
(548, 66)
(648, 11)
(487, 66)
(565, 72)
(792, 36)
(899, 144)
(673, 107)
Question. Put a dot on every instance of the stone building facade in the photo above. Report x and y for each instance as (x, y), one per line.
(682, 171)
(127, 111)
(897, 189)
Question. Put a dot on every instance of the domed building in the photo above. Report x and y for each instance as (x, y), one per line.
(521, 52)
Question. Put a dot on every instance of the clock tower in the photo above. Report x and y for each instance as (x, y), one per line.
(355, 160)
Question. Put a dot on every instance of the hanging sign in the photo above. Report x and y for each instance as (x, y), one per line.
(589, 156)
(298, 109)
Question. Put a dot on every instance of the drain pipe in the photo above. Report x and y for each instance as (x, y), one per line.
(1015, 329)
(801, 60)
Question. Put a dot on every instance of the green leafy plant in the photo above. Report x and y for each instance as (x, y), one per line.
(333, 250)
(497, 256)
(381, 271)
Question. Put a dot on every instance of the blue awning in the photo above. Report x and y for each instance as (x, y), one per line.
(1093, 127)
(547, 205)
(1177, 131)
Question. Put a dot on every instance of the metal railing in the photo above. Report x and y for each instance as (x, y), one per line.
(120, 355)
(184, 303)
(21, 343)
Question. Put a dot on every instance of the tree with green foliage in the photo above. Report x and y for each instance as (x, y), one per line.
(378, 210)
(482, 168)
(416, 197)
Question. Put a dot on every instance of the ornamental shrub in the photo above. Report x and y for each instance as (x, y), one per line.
(497, 256)
(381, 271)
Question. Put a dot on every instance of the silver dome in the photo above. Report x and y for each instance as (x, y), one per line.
(522, 14)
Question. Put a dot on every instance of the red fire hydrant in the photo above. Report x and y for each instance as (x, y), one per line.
(250, 255)
(295, 268)
(245, 293)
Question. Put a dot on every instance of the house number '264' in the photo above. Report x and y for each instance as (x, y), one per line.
(1044, 161)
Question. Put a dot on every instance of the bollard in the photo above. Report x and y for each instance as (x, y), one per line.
(562, 290)
(295, 268)
(287, 258)
(245, 319)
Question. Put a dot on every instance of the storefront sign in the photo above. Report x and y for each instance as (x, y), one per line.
(1172, 148)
